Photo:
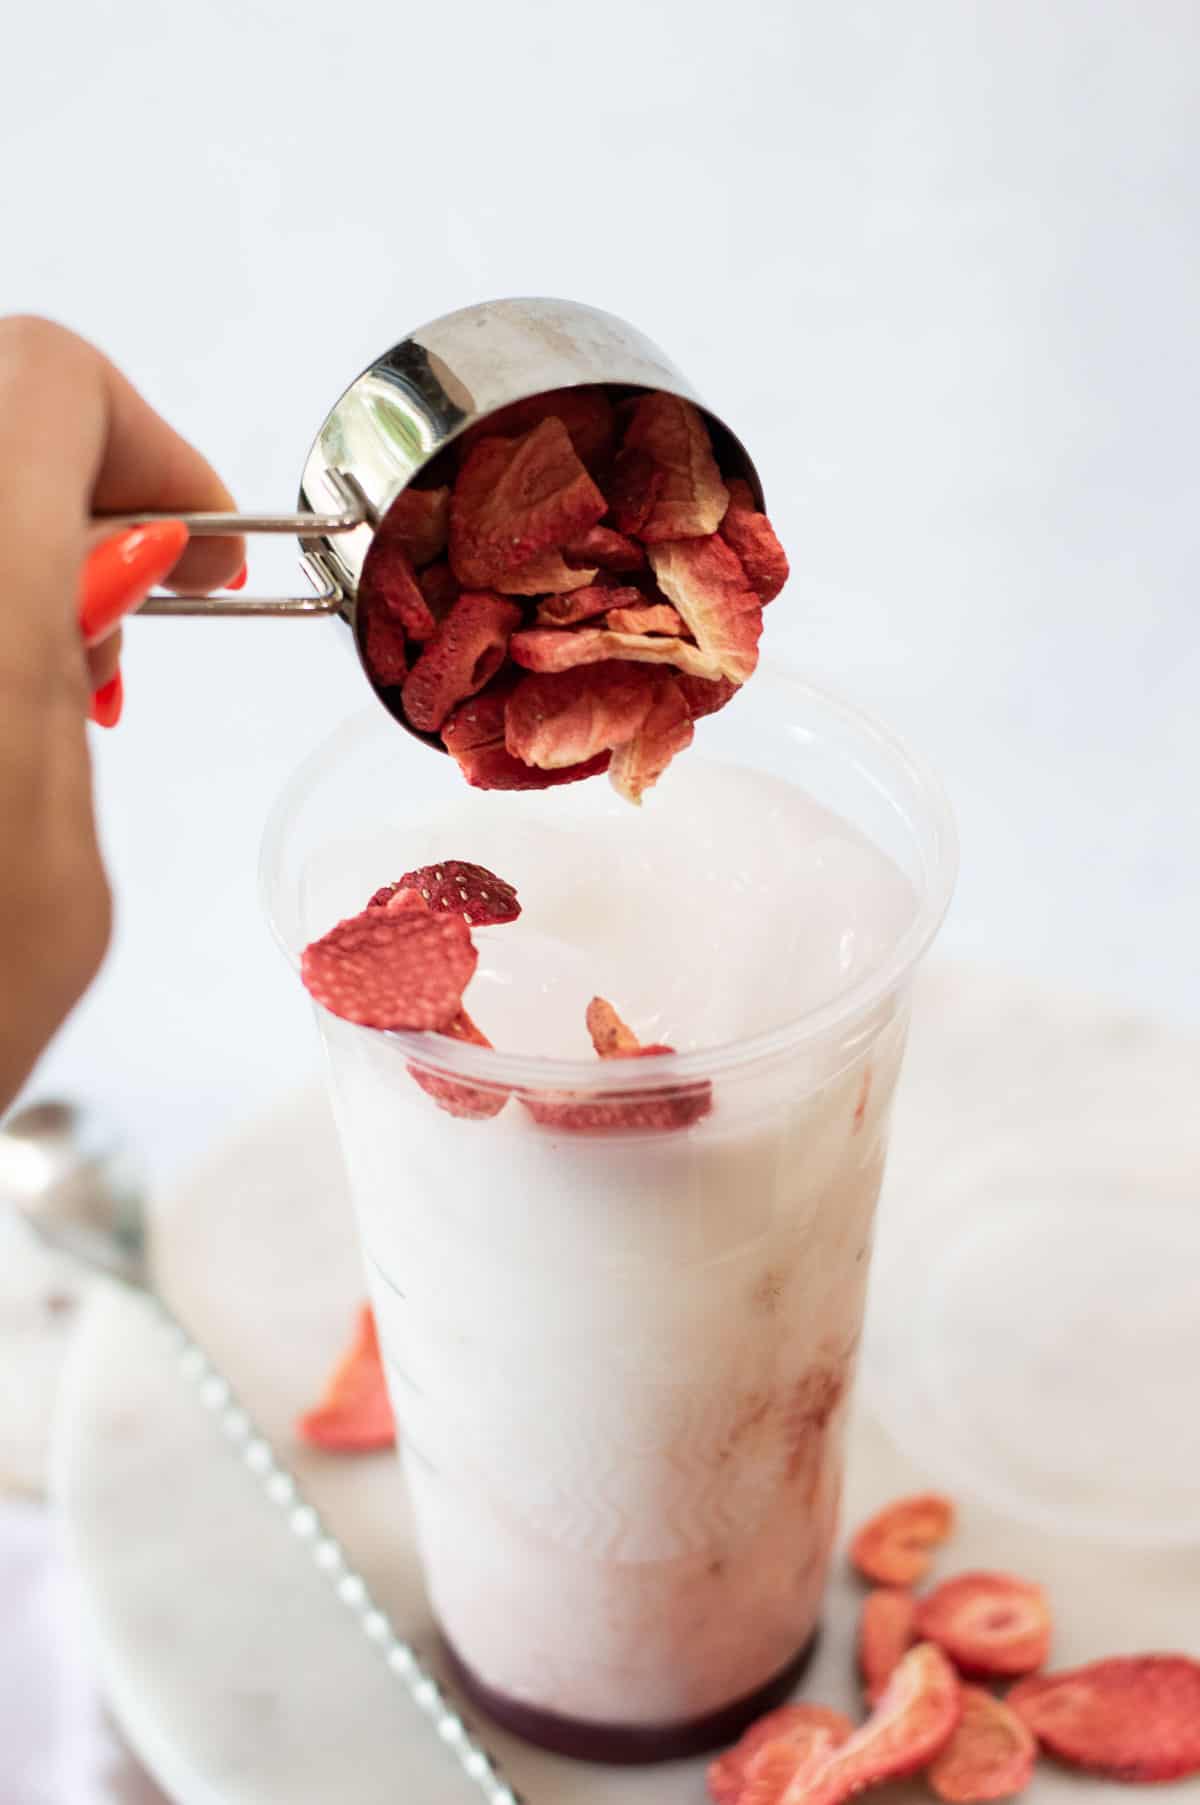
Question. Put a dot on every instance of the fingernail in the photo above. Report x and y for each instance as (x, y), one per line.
(108, 702)
(238, 582)
(121, 571)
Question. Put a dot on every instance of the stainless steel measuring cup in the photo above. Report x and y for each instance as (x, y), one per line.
(410, 404)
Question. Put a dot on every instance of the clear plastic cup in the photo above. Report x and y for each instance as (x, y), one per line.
(620, 1352)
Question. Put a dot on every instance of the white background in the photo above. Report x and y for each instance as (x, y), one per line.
(938, 262)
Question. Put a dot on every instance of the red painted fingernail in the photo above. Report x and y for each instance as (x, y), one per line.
(238, 582)
(121, 571)
(108, 702)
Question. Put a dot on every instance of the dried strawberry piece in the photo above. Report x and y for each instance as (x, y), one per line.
(1133, 1717)
(464, 654)
(644, 617)
(384, 648)
(472, 891)
(885, 1634)
(705, 698)
(548, 573)
(991, 1755)
(389, 584)
(633, 488)
(354, 1415)
(563, 718)
(692, 500)
(418, 523)
(666, 730)
(439, 588)
(613, 1038)
(583, 604)
(705, 582)
(800, 1727)
(661, 1110)
(515, 498)
(751, 536)
(988, 1623)
(392, 969)
(586, 413)
(607, 550)
(549, 649)
(397, 900)
(893, 1547)
(469, 1102)
(777, 1774)
(474, 738)
(912, 1723)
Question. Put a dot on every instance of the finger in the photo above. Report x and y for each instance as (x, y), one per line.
(103, 660)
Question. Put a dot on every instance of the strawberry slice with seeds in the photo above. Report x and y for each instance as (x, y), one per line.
(607, 550)
(397, 900)
(750, 535)
(584, 604)
(564, 718)
(800, 1728)
(472, 891)
(474, 738)
(886, 1631)
(894, 1547)
(706, 584)
(990, 1624)
(418, 523)
(585, 413)
(665, 731)
(469, 1102)
(516, 498)
(692, 499)
(354, 1415)
(644, 617)
(550, 649)
(1133, 1717)
(991, 1755)
(464, 654)
(392, 969)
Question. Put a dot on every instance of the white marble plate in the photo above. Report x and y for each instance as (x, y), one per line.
(237, 1673)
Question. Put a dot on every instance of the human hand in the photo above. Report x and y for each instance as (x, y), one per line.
(76, 440)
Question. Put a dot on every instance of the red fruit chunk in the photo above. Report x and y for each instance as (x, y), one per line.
(515, 498)
(474, 738)
(470, 1102)
(418, 521)
(389, 583)
(566, 717)
(988, 1623)
(706, 698)
(662, 1109)
(607, 550)
(550, 649)
(893, 1548)
(633, 489)
(752, 537)
(355, 1413)
(798, 1727)
(644, 617)
(1133, 1717)
(611, 1037)
(705, 582)
(397, 900)
(392, 969)
(885, 1634)
(548, 573)
(583, 604)
(464, 654)
(586, 413)
(439, 588)
(471, 891)
(665, 731)
(991, 1755)
(385, 650)
(692, 499)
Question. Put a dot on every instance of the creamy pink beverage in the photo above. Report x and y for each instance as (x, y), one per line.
(621, 1361)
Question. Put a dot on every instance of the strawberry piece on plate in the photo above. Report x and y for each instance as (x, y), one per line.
(886, 1631)
(1133, 1717)
(894, 1548)
(990, 1624)
(991, 1755)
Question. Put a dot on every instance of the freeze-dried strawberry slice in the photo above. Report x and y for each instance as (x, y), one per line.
(692, 499)
(885, 1634)
(751, 535)
(607, 550)
(392, 969)
(418, 521)
(586, 413)
(779, 1774)
(633, 488)
(481, 898)
(515, 498)
(644, 617)
(474, 738)
(991, 1755)
(659, 1109)
(439, 587)
(583, 604)
(548, 573)
(392, 897)
(706, 698)
(464, 654)
(354, 1415)
(549, 649)
(1133, 1717)
(470, 1102)
(705, 582)
(613, 1038)
(988, 1623)
(384, 648)
(389, 583)
(566, 717)
(665, 731)
(893, 1547)
(800, 1727)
